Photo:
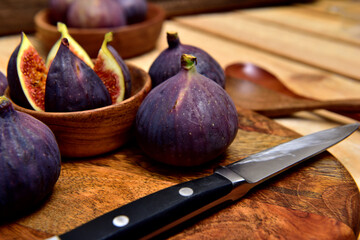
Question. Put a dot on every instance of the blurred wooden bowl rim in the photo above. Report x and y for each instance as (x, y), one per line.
(97, 131)
(130, 41)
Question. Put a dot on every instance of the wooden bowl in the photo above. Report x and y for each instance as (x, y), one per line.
(93, 132)
(130, 41)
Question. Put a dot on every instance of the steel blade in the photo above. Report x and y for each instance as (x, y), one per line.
(263, 165)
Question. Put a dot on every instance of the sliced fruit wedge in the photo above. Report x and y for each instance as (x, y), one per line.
(109, 71)
(26, 75)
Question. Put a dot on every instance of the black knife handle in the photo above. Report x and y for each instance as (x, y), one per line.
(147, 215)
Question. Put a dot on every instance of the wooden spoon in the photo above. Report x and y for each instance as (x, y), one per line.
(257, 89)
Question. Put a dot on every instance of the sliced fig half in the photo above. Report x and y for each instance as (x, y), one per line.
(110, 71)
(26, 75)
(74, 47)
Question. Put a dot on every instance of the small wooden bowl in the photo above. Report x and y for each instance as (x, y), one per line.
(93, 132)
(130, 41)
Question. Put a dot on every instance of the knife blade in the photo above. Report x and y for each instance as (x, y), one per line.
(151, 215)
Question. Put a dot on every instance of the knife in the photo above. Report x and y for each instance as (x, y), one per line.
(151, 215)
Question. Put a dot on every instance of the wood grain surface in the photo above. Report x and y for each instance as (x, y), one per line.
(18, 15)
(292, 44)
(318, 199)
(185, 7)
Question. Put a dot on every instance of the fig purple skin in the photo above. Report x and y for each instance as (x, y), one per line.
(95, 14)
(71, 85)
(58, 10)
(135, 10)
(187, 120)
(125, 70)
(16, 94)
(167, 64)
(30, 161)
(3, 83)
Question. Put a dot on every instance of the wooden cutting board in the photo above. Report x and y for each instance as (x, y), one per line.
(317, 200)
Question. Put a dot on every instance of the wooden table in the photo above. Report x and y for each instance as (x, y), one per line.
(312, 48)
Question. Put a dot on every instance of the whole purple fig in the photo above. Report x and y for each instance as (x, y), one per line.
(167, 64)
(135, 10)
(29, 161)
(71, 85)
(3, 83)
(58, 10)
(187, 120)
(95, 14)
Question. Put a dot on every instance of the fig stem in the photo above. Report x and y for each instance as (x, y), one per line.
(108, 38)
(173, 39)
(3, 100)
(188, 61)
(65, 42)
(62, 28)
(5, 106)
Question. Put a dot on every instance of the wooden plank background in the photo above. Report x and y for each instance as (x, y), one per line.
(185, 7)
(17, 15)
(287, 42)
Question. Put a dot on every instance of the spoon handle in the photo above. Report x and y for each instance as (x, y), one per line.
(348, 106)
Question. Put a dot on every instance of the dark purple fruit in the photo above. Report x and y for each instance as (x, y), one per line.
(29, 161)
(135, 10)
(167, 64)
(58, 10)
(95, 14)
(71, 85)
(3, 83)
(187, 120)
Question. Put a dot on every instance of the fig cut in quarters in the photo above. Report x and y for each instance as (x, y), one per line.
(110, 70)
(26, 75)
